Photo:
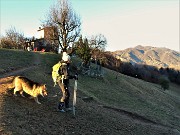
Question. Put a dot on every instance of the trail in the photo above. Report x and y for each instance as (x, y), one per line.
(36, 62)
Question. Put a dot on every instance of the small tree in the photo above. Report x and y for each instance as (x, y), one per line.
(164, 82)
(98, 42)
(83, 50)
(65, 22)
(97, 45)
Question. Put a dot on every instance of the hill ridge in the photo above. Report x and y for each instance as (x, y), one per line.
(153, 56)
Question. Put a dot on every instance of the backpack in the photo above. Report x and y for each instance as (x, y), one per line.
(59, 72)
(55, 73)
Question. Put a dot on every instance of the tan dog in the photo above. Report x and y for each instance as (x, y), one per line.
(23, 84)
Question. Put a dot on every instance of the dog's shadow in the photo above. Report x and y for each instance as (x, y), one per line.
(10, 92)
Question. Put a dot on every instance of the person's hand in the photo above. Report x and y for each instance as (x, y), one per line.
(76, 76)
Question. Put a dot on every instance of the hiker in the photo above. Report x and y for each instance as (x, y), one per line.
(61, 75)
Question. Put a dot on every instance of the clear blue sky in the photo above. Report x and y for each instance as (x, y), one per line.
(125, 23)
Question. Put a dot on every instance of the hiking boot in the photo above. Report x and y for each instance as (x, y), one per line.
(61, 105)
(68, 109)
(61, 110)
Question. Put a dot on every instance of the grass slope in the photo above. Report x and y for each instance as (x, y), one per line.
(126, 93)
(13, 59)
(137, 96)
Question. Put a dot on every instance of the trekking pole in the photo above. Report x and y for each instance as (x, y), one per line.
(74, 97)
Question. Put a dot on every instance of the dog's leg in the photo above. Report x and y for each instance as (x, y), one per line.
(36, 100)
(15, 90)
(21, 92)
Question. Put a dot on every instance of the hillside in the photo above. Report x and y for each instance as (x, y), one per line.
(122, 106)
(158, 57)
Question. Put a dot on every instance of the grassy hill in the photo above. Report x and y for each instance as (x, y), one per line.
(124, 105)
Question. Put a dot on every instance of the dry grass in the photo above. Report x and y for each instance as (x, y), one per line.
(127, 93)
(135, 95)
(14, 59)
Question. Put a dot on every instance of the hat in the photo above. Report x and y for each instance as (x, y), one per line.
(65, 57)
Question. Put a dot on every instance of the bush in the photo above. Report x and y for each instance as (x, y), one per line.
(13, 39)
(164, 82)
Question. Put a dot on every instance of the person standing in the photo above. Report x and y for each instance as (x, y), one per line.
(61, 75)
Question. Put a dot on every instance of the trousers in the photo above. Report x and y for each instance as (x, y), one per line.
(65, 92)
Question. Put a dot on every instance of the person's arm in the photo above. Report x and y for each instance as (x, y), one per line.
(73, 76)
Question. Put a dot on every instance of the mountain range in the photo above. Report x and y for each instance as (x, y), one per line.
(152, 56)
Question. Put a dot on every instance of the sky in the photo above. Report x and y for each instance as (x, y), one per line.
(124, 23)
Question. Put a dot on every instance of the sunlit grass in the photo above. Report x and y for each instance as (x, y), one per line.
(14, 59)
(131, 94)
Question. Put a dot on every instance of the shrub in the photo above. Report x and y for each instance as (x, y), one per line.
(164, 82)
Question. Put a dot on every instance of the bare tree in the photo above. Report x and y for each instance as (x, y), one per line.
(13, 39)
(65, 22)
(98, 42)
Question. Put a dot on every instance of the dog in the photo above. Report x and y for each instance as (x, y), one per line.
(23, 84)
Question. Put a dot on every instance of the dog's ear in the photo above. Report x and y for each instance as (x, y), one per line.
(44, 85)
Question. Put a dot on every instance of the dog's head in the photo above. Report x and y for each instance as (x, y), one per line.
(43, 90)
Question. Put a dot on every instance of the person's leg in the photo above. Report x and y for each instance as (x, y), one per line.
(62, 99)
(67, 95)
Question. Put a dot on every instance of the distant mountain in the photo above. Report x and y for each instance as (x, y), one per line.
(154, 56)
